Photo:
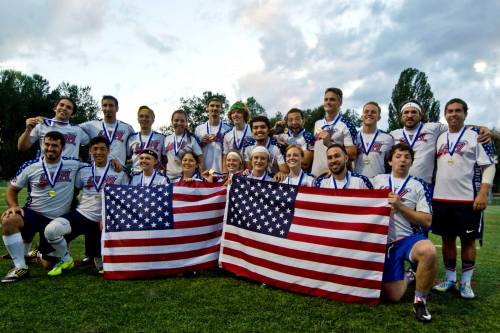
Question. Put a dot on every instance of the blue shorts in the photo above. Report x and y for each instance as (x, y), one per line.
(36, 223)
(395, 256)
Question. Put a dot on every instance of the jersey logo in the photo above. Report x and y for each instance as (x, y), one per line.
(118, 135)
(64, 176)
(443, 150)
(153, 145)
(70, 138)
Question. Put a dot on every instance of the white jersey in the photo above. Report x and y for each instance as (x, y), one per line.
(157, 178)
(73, 135)
(372, 157)
(234, 140)
(90, 204)
(137, 142)
(304, 139)
(458, 176)
(175, 146)
(212, 151)
(424, 146)
(342, 132)
(415, 195)
(267, 177)
(304, 179)
(196, 177)
(117, 134)
(43, 198)
(276, 157)
(352, 181)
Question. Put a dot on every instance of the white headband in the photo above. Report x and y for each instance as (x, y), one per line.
(260, 149)
(411, 105)
(235, 154)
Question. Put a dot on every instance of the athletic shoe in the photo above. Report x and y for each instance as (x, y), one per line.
(33, 256)
(98, 263)
(466, 291)
(87, 260)
(61, 266)
(444, 286)
(16, 274)
(421, 312)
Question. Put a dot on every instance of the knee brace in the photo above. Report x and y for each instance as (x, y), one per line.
(56, 229)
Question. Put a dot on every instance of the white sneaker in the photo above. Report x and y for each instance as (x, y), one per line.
(466, 291)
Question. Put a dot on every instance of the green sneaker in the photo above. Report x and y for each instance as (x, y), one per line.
(61, 266)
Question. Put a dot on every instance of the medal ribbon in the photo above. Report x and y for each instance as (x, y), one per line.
(461, 133)
(178, 146)
(301, 176)
(110, 139)
(150, 182)
(98, 186)
(147, 142)
(366, 148)
(401, 188)
(346, 181)
(218, 131)
(52, 181)
(415, 137)
(51, 122)
(332, 124)
(239, 143)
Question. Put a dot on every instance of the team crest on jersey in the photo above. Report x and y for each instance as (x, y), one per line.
(118, 135)
(63, 176)
(153, 145)
(376, 148)
(70, 138)
(443, 150)
(110, 180)
(421, 137)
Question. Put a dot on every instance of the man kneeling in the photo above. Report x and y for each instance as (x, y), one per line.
(410, 202)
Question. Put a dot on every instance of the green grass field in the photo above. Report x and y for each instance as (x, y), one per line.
(81, 301)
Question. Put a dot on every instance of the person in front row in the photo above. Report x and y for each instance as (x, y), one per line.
(294, 157)
(148, 175)
(259, 160)
(190, 165)
(410, 202)
(338, 176)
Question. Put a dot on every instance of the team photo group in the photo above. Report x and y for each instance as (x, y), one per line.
(437, 175)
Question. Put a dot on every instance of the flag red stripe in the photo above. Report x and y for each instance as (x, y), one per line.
(338, 242)
(198, 184)
(334, 225)
(197, 223)
(200, 208)
(161, 241)
(298, 288)
(344, 193)
(196, 197)
(302, 272)
(342, 209)
(305, 255)
(156, 273)
(159, 256)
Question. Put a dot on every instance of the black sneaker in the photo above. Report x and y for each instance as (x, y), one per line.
(87, 260)
(16, 274)
(421, 312)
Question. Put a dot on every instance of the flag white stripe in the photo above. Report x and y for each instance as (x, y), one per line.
(179, 217)
(140, 266)
(302, 246)
(340, 200)
(212, 200)
(305, 264)
(161, 233)
(135, 250)
(341, 217)
(195, 190)
(340, 234)
(306, 282)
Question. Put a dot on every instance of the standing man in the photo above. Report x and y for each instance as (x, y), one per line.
(296, 134)
(116, 131)
(37, 127)
(373, 144)
(146, 138)
(211, 136)
(465, 172)
(339, 177)
(235, 139)
(87, 216)
(411, 211)
(260, 130)
(333, 128)
(50, 181)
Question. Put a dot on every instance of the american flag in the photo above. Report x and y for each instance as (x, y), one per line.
(320, 242)
(161, 230)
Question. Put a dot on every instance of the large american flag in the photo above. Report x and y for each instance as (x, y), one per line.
(161, 230)
(321, 242)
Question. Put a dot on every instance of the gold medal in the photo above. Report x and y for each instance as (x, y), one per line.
(52, 193)
(366, 160)
(211, 171)
(212, 137)
(451, 162)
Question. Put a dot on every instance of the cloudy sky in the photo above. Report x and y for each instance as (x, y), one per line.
(284, 53)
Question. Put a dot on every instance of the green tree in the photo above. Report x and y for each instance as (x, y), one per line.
(255, 108)
(412, 84)
(87, 106)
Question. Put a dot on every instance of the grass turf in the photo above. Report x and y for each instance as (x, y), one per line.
(81, 301)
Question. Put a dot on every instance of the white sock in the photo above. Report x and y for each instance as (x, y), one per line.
(15, 246)
(60, 249)
(467, 276)
(451, 275)
(27, 247)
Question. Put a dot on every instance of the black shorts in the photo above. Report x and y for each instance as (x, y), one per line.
(36, 223)
(456, 219)
(80, 225)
